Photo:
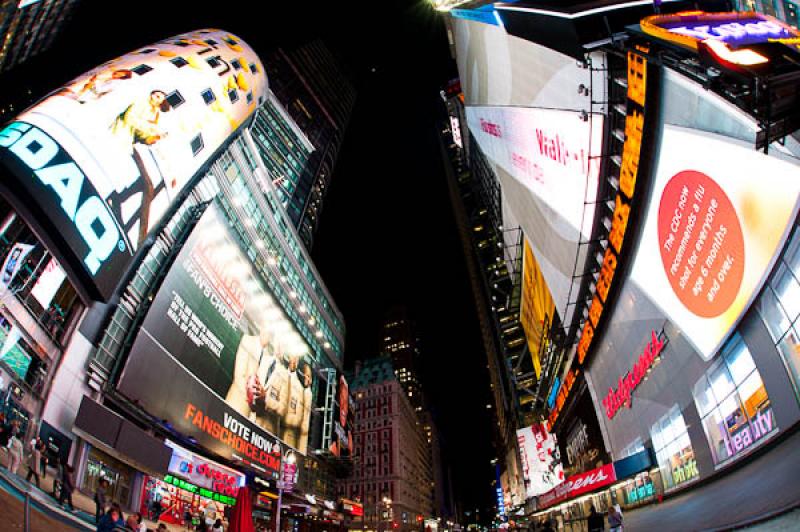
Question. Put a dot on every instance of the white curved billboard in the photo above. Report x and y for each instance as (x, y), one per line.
(106, 155)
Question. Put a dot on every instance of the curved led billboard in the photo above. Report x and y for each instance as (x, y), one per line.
(104, 156)
(216, 357)
(718, 215)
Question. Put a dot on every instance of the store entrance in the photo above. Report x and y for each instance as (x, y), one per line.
(119, 476)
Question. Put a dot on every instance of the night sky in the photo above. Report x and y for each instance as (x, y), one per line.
(387, 233)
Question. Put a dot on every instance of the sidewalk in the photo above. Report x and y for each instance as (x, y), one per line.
(757, 491)
(81, 519)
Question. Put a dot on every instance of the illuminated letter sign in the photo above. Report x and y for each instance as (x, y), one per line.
(624, 392)
(718, 31)
(628, 174)
(58, 181)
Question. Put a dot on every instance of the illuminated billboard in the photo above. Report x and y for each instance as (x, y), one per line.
(548, 164)
(537, 308)
(718, 215)
(498, 69)
(103, 158)
(540, 458)
(217, 358)
(341, 440)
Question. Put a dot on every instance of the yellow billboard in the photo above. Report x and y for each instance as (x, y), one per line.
(537, 308)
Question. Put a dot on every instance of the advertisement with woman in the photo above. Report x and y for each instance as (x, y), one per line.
(214, 326)
(137, 129)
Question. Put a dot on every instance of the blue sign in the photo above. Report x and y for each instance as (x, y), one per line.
(636, 463)
(551, 399)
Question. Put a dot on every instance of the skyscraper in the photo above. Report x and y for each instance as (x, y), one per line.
(400, 342)
(392, 473)
(29, 27)
(155, 275)
(312, 87)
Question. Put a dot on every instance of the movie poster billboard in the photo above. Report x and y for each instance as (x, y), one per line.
(217, 358)
(713, 228)
(341, 442)
(540, 458)
(103, 158)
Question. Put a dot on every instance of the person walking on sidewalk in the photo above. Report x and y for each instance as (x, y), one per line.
(67, 486)
(16, 450)
(33, 464)
(595, 522)
(615, 518)
(100, 499)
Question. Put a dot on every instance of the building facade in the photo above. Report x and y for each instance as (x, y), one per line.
(156, 291)
(28, 28)
(399, 340)
(392, 473)
(656, 363)
(310, 84)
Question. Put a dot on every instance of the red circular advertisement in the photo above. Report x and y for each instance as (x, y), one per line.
(701, 243)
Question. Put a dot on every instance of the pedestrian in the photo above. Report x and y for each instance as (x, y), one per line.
(140, 524)
(217, 526)
(548, 526)
(33, 464)
(100, 499)
(615, 518)
(67, 486)
(111, 519)
(131, 524)
(16, 450)
(43, 459)
(595, 521)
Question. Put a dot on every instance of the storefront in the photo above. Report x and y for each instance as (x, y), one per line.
(194, 489)
(120, 476)
(699, 361)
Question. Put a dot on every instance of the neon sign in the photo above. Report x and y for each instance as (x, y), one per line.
(717, 32)
(628, 173)
(203, 492)
(627, 384)
(77, 197)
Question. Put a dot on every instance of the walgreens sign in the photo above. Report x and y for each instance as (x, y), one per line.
(620, 397)
(578, 485)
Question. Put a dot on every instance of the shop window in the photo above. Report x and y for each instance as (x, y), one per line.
(673, 449)
(779, 307)
(733, 403)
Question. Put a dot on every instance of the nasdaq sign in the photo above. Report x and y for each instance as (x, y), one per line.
(66, 196)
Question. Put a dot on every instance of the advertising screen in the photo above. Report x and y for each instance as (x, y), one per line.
(105, 156)
(341, 443)
(547, 163)
(541, 460)
(712, 230)
(498, 69)
(537, 308)
(217, 358)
